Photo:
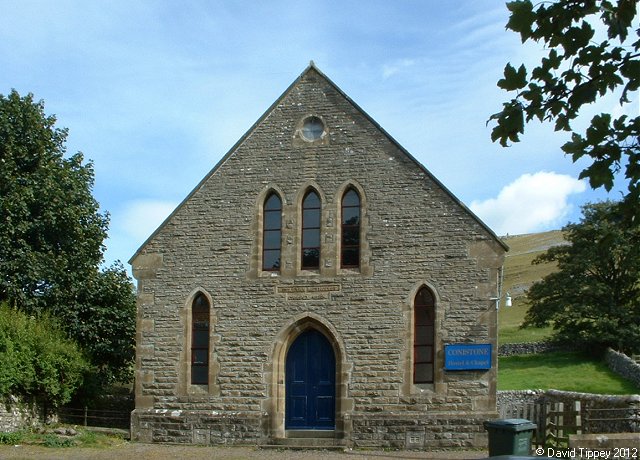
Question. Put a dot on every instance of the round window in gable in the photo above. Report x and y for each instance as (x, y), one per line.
(312, 128)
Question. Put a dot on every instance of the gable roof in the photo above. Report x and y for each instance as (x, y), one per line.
(312, 68)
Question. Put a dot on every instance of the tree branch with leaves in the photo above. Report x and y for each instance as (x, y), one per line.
(577, 71)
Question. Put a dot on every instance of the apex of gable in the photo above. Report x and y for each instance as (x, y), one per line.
(306, 98)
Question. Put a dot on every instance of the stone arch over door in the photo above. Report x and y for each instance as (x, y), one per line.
(274, 406)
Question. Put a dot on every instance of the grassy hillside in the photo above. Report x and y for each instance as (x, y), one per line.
(549, 370)
(519, 274)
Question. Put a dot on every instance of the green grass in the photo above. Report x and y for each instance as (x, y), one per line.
(513, 334)
(558, 370)
(568, 371)
(519, 275)
(84, 438)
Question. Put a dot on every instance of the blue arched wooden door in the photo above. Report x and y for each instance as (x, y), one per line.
(310, 383)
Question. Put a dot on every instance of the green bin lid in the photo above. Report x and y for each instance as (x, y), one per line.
(511, 424)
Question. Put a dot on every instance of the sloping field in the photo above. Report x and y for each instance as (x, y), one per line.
(519, 275)
(549, 370)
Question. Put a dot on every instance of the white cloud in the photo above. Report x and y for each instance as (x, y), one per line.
(388, 70)
(532, 202)
(141, 218)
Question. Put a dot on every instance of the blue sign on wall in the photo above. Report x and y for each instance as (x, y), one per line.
(467, 356)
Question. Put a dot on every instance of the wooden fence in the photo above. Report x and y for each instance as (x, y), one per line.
(557, 421)
(94, 418)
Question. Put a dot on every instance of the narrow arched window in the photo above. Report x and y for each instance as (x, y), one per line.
(200, 340)
(424, 336)
(350, 230)
(272, 233)
(311, 211)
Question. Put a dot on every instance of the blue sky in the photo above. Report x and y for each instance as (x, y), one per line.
(156, 92)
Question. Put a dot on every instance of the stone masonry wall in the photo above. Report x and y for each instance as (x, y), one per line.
(15, 415)
(624, 366)
(414, 233)
(525, 348)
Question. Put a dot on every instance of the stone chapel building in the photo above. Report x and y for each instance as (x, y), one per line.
(310, 286)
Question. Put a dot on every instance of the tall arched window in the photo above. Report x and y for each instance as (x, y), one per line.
(311, 211)
(272, 233)
(200, 340)
(350, 230)
(424, 336)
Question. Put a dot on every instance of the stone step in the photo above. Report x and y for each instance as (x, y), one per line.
(307, 439)
(301, 447)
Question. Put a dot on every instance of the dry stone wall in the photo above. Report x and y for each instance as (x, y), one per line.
(16, 415)
(624, 366)
(527, 348)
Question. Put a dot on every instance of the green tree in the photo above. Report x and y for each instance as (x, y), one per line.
(594, 297)
(38, 360)
(104, 321)
(51, 239)
(576, 71)
(51, 232)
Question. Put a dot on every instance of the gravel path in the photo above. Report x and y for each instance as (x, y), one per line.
(137, 451)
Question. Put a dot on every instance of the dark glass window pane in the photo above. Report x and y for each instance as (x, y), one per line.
(423, 354)
(351, 198)
(201, 338)
(311, 218)
(199, 375)
(350, 216)
(273, 203)
(201, 326)
(271, 260)
(350, 236)
(424, 335)
(272, 239)
(424, 315)
(312, 200)
(199, 356)
(423, 373)
(424, 297)
(272, 236)
(272, 220)
(200, 304)
(311, 238)
(350, 231)
(310, 258)
(201, 322)
(311, 231)
(350, 257)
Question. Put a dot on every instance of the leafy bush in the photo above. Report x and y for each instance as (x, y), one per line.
(51, 440)
(38, 360)
(11, 438)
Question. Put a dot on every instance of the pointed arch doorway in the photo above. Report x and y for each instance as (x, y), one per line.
(310, 383)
